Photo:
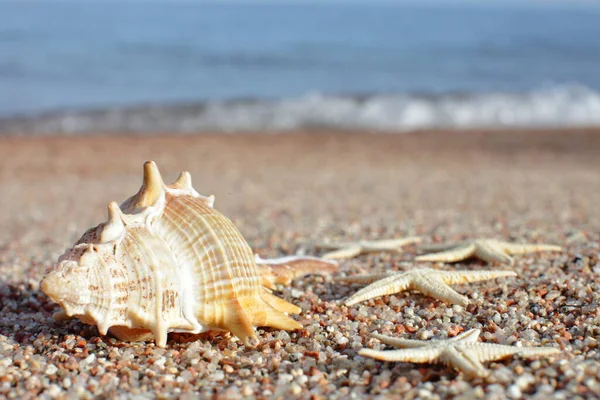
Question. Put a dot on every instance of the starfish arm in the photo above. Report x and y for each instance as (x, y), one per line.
(491, 351)
(419, 356)
(537, 351)
(436, 288)
(389, 285)
(400, 343)
(441, 246)
(472, 335)
(455, 254)
(346, 252)
(458, 277)
(284, 269)
(517, 248)
(364, 279)
(389, 245)
(491, 251)
(336, 245)
(463, 361)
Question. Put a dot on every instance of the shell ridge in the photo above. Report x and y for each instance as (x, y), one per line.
(240, 263)
(222, 267)
(244, 252)
(165, 307)
(220, 270)
(234, 241)
(160, 327)
(104, 324)
(223, 275)
(187, 321)
(176, 220)
(185, 284)
(98, 310)
(200, 298)
(239, 267)
(242, 271)
(136, 294)
(263, 313)
(132, 253)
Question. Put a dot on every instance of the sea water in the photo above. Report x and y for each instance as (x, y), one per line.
(77, 66)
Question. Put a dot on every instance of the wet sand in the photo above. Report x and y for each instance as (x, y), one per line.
(286, 193)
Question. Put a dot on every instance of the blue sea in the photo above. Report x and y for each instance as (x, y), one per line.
(156, 66)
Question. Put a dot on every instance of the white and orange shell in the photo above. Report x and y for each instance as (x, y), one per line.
(166, 261)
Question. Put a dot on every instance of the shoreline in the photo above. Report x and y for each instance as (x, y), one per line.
(548, 106)
(504, 130)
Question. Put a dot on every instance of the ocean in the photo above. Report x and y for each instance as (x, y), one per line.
(158, 66)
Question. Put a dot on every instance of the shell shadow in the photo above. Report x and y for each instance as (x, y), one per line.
(26, 313)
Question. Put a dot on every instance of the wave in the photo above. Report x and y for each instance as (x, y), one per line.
(551, 106)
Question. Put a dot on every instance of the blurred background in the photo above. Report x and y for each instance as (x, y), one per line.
(160, 66)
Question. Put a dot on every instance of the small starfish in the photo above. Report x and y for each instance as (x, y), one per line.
(284, 269)
(490, 250)
(353, 249)
(431, 282)
(462, 352)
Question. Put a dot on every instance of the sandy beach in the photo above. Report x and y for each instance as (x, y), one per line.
(286, 193)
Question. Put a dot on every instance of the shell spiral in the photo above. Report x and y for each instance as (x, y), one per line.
(165, 261)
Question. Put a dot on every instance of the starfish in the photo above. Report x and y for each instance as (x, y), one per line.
(284, 269)
(432, 282)
(462, 352)
(353, 249)
(490, 250)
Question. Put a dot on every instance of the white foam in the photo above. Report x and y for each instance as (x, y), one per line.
(552, 106)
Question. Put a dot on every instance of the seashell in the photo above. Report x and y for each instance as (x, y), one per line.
(167, 261)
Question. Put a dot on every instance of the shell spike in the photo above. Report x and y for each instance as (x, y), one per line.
(150, 193)
(103, 327)
(239, 323)
(184, 181)
(273, 313)
(160, 337)
(152, 188)
(114, 227)
(276, 319)
(114, 213)
(210, 200)
(279, 304)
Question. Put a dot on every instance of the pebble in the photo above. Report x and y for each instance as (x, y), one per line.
(513, 392)
(51, 369)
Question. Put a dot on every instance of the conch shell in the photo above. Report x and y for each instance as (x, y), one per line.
(167, 261)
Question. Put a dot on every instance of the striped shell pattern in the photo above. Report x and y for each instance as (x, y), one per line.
(165, 261)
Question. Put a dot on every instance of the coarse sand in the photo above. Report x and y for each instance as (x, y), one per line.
(286, 193)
